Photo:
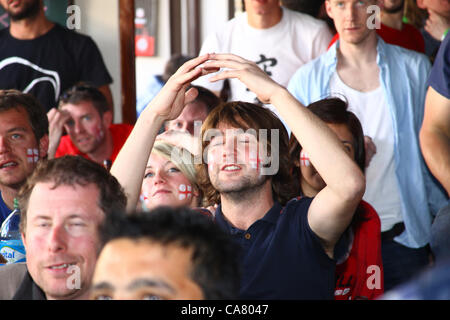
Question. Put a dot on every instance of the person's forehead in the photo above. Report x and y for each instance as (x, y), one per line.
(64, 200)
(15, 116)
(129, 259)
(82, 107)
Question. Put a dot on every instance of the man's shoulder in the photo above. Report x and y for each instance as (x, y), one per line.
(4, 33)
(11, 277)
(297, 204)
(66, 147)
(402, 56)
(120, 130)
(302, 20)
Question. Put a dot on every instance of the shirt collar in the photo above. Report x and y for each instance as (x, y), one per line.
(331, 54)
(271, 217)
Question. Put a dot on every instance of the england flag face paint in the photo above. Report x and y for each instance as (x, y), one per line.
(185, 192)
(255, 161)
(32, 155)
(304, 159)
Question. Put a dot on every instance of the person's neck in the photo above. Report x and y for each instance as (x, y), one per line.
(104, 150)
(8, 194)
(264, 21)
(393, 20)
(30, 28)
(360, 54)
(307, 189)
(253, 206)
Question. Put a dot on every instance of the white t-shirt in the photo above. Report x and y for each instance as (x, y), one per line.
(280, 50)
(372, 110)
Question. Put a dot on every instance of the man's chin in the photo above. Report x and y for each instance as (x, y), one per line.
(61, 292)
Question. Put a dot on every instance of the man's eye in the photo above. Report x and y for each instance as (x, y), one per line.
(16, 136)
(151, 297)
(102, 297)
(43, 224)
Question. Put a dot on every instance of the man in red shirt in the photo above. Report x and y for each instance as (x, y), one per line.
(83, 112)
(394, 31)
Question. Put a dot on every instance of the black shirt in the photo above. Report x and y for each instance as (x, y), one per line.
(282, 258)
(29, 290)
(50, 64)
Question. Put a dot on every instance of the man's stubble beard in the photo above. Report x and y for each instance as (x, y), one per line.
(29, 11)
(243, 190)
(396, 9)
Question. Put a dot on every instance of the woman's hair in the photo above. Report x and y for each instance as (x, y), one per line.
(332, 110)
(181, 158)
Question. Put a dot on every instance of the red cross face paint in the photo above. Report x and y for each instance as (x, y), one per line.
(304, 159)
(185, 192)
(165, 184)
(32, 155)
(255, 161)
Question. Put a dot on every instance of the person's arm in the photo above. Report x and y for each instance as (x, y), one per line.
(129, 166)
(332, 209)
(435, 136)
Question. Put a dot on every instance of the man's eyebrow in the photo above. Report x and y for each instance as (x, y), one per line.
(23, 129)
(143, 282)
(103, 286)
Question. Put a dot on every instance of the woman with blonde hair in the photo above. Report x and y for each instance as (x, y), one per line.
(169, 178)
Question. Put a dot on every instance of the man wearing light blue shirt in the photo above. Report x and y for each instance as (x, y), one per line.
(385, 88)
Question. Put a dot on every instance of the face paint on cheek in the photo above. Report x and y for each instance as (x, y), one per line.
(210, 161)
(99, 134)
(304, 159)
(185, 192)
(255, 161)
(32, 155)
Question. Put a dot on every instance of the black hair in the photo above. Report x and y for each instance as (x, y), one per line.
(14, 99)
(84, 92)
(215, 266)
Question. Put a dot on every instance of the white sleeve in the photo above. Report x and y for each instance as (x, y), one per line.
(210, 45)
(321, 41)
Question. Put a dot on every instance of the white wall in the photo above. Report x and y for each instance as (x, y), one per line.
(148, 66)
(213, 14)
(100, 20)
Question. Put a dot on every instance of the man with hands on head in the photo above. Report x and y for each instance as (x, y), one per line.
(287, 250)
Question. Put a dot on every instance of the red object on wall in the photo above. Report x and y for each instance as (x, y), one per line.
(144, 46)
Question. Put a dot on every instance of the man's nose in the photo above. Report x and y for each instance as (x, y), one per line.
(57, 239)
(4, 145)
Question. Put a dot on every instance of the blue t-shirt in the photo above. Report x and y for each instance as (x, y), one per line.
(4, 210)
(439, 78)
(281, 256)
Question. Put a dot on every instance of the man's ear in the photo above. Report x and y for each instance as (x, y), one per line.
(43, 146)
(24, 240)
(107, 119)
